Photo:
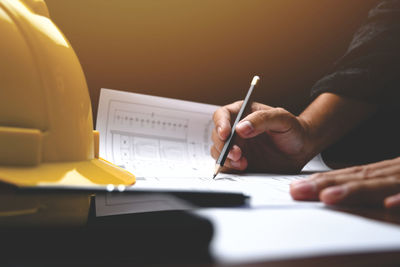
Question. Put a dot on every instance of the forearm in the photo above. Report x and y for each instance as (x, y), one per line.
(329, 117)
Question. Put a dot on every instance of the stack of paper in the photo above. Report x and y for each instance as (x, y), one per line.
(166, 143)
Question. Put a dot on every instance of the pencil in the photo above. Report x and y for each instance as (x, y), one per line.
(227, 146)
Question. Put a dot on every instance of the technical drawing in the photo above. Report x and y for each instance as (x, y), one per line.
(156, 136)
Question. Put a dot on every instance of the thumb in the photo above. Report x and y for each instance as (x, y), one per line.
(277, 120)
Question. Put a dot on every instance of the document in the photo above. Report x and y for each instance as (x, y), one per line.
(155, 136)
(243, 236)
(166, 144)
(108, 204)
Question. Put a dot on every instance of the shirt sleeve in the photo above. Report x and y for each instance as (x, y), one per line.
(370, 69)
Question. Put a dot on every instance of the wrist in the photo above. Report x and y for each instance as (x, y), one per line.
(310, 141)
(327, 119)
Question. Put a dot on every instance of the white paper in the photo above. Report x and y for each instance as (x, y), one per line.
(119, 203)
(155, 136)
(251, 235)
(166, 142)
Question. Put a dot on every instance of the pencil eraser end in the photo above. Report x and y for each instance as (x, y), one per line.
(255, 80)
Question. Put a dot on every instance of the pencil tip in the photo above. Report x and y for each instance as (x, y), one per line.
(217, 168)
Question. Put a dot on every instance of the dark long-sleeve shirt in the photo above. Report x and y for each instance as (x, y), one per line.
(370, 71)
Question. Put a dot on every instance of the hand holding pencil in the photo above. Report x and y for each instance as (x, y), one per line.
(268, 139)
(228, 143)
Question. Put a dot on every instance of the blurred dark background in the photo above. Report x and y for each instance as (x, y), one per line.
(208, 51)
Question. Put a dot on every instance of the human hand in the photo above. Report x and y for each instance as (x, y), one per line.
(269, 139)
(372, 184)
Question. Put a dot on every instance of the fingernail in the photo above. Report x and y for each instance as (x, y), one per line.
(235, 164)
(393, 201)
(334, 193)
(303, 188)
(230, 155)
(245, 127)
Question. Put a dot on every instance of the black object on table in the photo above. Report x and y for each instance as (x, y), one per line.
(62, 228)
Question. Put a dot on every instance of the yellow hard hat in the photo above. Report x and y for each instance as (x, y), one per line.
(46, 127)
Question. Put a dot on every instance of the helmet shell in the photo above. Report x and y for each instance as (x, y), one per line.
(43, 86)
(46, 126)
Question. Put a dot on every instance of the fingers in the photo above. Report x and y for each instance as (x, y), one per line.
(222, 119)
(338, 191)
(234, 154)
(233, 161)
(370, 170)
(311, 188)
(356, 185)
(304, 190)
(239, 165)
(275, 120)
(392, 202)
(217, 142)
(365, 192)
(354, 174)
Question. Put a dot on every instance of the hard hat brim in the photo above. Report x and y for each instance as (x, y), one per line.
(95, 172)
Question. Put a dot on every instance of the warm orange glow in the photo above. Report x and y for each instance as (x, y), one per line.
(208, 50)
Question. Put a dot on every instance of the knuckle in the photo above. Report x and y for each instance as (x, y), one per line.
(283, 113)
(366, 172)
(355, 187)
(238, 102)
(218, 147)
(212, 151)
(242, 168)
(285, 116)
(358, 168)
(261, 115)
(217, 113)
(235, 106)
(214, 116)
(255, 106)
(394, 179)
(318, 175)
(281, 110)
(214, 136)
(243, 164)
(326, 182)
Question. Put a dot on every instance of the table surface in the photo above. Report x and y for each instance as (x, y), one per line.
(391, 258)
(388, 258)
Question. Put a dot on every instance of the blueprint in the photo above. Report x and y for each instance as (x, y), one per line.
(155, 136)
(166, 144)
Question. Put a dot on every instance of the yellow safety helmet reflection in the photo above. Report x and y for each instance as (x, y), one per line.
(46, 127)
